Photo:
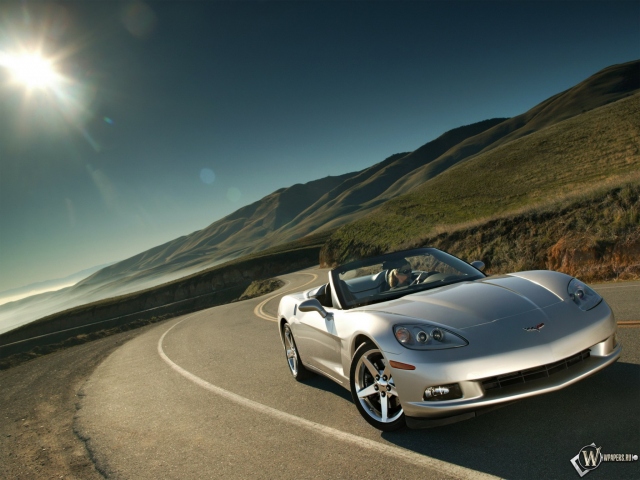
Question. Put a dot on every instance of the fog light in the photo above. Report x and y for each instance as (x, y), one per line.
(435, 392)
(443, 392)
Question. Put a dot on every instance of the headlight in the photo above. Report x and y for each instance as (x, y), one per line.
(583, 296)
(427, 337)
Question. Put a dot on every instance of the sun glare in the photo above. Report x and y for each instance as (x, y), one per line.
(31, 70)
(45, 88)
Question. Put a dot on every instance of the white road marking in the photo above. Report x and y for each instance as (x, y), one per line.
(441, 466)
(259, 312)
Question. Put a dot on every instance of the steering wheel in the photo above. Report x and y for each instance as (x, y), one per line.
(422, 276)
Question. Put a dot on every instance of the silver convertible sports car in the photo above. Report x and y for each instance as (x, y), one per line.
(421, 337)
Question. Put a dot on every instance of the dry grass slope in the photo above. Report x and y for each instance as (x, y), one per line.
(597, 148)
(593, 236)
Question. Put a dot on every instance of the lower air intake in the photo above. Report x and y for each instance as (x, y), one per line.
(536, 373)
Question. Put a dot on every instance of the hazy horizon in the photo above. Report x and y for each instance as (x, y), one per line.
(172, 115)
(48, 285)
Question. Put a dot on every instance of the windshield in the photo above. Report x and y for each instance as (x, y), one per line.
(394, 275)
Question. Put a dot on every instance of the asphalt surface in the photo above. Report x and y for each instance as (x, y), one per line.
(623, 297)
(209, 395)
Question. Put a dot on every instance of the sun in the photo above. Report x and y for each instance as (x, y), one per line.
(31, 70)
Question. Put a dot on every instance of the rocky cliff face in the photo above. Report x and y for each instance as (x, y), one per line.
(595, 260)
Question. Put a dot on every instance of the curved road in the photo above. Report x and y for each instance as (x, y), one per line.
(209, 395)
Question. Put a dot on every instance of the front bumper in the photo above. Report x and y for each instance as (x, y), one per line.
(482, 394)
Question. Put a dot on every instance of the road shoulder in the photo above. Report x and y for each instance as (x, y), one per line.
(38, 403)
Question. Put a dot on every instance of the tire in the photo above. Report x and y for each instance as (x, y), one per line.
(373, 389)
(296, 367)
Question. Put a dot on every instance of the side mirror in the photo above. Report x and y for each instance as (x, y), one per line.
(313, 305)
(478, 264)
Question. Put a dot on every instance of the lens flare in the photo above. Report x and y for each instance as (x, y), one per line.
(207, 176)
(139, 19)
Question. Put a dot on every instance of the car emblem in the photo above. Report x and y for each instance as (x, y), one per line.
(534, 329)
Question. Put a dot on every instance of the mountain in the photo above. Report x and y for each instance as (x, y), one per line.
(326, 204)
(230, 237)
(565, 163)
(606, 86)
(285, 215)
(294, 212)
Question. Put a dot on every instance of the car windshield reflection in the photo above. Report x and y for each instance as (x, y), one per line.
(394, 275)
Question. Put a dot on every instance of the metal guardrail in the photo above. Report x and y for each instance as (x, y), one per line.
(63, 327)
(175, 308)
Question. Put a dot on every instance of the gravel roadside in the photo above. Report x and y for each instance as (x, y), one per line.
(38, 402)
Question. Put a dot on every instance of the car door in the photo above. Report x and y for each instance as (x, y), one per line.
(319, 341)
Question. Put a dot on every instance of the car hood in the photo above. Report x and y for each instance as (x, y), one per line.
(469, 304)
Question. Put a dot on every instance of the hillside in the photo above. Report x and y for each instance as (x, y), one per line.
(227, 238)
(294, 212)
(574, 156)
(283, 216)
(374, 186)
(606, 86)
(594, 236)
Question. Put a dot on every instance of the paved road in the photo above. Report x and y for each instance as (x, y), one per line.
(209, 395)
(623, 297)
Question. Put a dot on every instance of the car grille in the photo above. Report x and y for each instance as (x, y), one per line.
(525, 376)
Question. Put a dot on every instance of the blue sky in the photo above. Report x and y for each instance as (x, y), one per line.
(174, 114)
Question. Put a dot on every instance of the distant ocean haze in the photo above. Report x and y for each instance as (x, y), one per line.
(4, 298)
(23, 304)
(32, 302)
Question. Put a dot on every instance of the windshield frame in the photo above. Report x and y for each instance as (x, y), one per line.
(473, 274)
